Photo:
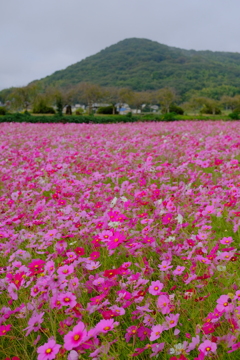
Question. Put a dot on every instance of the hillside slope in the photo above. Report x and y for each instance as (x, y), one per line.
(146, 65)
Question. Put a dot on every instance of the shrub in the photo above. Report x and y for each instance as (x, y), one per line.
(168, 116)
(129, 114)
(27, 113)
(176, 109)
(106, 110)
(79, 111)
(42, 108)
(234, 115)
(3, 110)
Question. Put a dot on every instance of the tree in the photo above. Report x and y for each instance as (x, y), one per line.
(63, 97)
(23, 97)
(111, 96)
(138, 99)
(90, 93)
(165, 98)
(232, 103)
(125, 95)
(194, 104)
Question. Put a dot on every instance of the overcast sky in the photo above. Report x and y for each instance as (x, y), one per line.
(38, 37)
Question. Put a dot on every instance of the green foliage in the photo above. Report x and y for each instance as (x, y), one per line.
(42, 108)
(169, 116)
(129, 115)
(59, 104)
(3, 110)
(176, 109)
(27, 113)
(143, 64)
(207, 109)
(79, 111)
(107, 110)
(234, 115)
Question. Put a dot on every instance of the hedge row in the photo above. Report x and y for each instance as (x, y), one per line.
(17, 117)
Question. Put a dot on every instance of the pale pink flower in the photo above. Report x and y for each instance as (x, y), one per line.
(165, 265)
(179, 270)
(172, 320)
(105, 326)
(224, 304)
(226, 240)
(156, 332)
(163, 303)
(208, 347)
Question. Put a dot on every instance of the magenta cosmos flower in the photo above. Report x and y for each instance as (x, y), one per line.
(155, 288)
(207, 347)
(67, 299)
(48, 351)
(167, 218)
(4, 329)
(77, 336)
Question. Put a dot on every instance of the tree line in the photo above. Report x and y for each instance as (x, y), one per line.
(42, 100)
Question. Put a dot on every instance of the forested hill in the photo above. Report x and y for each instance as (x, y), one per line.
(146, 65)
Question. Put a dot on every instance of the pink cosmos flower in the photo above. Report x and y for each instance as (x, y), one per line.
(226, 240)
(156, 332)
(49, 350)
(52, 234)
(163, 303)
(36, 266)
(165, 266)
(105, 326)
(172, 320)
(131, 331)
(94, 255)
(224, 304)
(235, 347)
(67, 299)
(179, 270)
(92, 265)
(77, 336)
(155, 288)
(208, 328)
(208, 347)
(73, 284)
(156, 348)
(4, 329)
(143, 332)
(167, 218)
(34, 323)
(65, 270)
(115, 240)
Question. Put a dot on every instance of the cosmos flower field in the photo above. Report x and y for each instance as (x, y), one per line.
(120, 241)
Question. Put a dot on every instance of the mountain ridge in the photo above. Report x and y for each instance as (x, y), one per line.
(143, 64)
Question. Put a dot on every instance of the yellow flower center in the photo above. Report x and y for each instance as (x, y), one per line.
(48, 351)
